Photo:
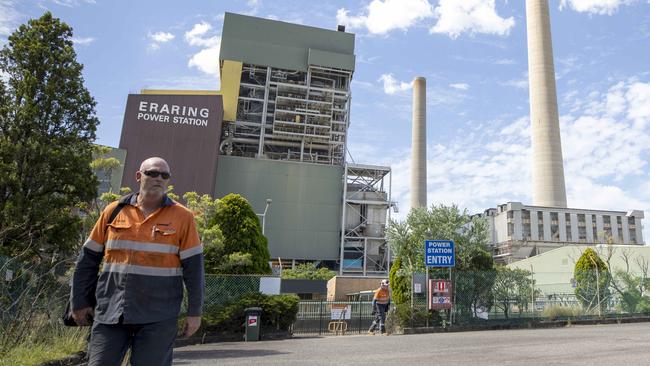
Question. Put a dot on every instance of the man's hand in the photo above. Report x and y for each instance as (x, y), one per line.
(83, 316)
(192, 324)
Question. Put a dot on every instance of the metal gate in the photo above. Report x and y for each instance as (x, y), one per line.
(333, 317)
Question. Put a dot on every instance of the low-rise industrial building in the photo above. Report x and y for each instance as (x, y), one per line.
(518, 231)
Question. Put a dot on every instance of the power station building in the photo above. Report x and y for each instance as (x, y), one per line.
(275, 133)
(519, 231)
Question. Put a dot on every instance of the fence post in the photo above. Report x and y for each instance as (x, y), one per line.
(320, 318)
(359, 313)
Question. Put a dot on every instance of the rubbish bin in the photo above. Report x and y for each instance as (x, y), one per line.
(253, 322)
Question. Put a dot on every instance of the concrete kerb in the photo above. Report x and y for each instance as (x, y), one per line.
(528, 324)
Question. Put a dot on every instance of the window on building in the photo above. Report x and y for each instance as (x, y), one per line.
(525, 220)
(555, 227)
(631, 223)
(567, 221)
(593, 228)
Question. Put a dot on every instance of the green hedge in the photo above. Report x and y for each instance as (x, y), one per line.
(278, 312)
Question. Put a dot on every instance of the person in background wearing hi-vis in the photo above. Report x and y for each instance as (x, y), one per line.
(150, 247)
(380, 306)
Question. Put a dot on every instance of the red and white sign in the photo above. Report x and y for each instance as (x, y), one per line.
(252, 320)
(440, 295)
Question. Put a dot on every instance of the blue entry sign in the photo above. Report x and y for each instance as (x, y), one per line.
(439, 253)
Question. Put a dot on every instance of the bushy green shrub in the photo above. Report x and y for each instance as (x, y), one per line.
(308, 271)
(404, 317)
(245, 249)
(278, 312)
(593, 279)
(558, 311)
(400, 285)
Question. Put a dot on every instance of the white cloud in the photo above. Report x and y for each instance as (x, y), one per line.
(83, 41)
(161, 37)
(9, 17)
(470, 16)
(505, 61)
(392, 85)
(601, 7)
(158, 38)
(72, 3)
(383, 16)
(517, 83)
(638, 97)
(207, 59)
(460, 86)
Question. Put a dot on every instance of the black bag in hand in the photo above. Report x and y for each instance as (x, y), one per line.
(67, 318)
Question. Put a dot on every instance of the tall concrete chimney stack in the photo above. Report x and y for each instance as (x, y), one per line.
(419, 144)
(548, 168)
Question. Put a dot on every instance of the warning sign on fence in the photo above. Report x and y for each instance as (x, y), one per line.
(440, 294)
(341, 311)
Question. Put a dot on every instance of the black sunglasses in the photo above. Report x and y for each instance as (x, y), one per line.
(155, 174)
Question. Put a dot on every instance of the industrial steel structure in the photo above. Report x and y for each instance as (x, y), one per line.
(367, 193)
(290, 114)
(291, 90)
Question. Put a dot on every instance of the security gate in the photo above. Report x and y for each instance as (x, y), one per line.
(333, 317)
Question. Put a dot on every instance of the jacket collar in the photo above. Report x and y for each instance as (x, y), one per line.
(132, 199)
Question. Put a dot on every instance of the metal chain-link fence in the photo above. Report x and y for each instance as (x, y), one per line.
(507, 295)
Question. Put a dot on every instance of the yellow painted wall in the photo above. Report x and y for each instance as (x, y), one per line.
(230, 78)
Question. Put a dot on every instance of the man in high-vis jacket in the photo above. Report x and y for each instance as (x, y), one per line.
(380, 307)
(150, 247)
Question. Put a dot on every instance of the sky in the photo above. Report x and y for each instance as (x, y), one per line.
(472, 53)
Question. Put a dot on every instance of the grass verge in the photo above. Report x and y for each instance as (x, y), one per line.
(48, 342)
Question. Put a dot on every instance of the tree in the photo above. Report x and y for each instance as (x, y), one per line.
(592, 280)
(512, 287)
(473, 272)
(104, 165)
(308, 271)
(47, 125)
(634, 292)
(245, 248)
(400, 284)
(205, 212)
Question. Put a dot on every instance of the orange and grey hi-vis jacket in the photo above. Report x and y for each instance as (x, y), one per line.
(145, 263)
(381, 297)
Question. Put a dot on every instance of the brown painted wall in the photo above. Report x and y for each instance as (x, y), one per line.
(338, 287)
(183, 129)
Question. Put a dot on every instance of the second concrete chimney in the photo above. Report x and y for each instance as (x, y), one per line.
(419, 144)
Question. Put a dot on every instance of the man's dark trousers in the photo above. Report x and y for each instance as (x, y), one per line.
(151, 344)
(380, 319)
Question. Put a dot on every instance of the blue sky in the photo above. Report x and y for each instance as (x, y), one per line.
(473, 54)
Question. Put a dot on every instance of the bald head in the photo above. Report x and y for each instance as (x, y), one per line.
(154, 163)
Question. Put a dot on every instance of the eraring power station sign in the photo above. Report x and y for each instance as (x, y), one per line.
(439, 253)
(183, 129)
(173, 113)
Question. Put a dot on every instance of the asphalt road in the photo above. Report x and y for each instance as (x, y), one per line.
(593, 345)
